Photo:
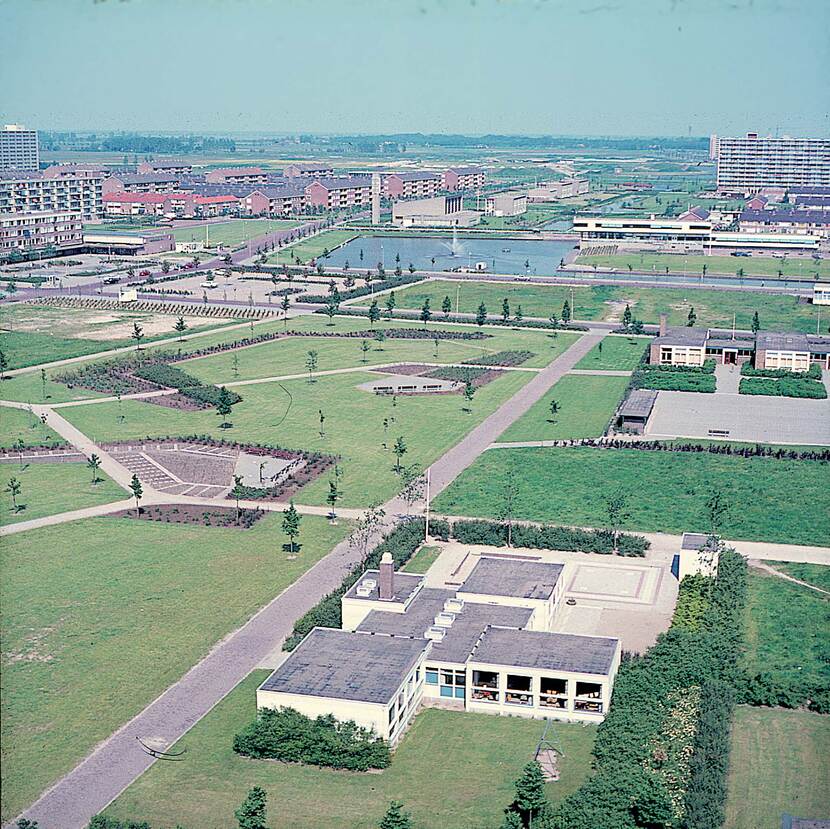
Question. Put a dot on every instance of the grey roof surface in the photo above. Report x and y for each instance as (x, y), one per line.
(813, 201)
(813, 217)
(693, 541)
(508, 577)
(278, 191)
(789, 341)
(639, 404)
(416, 176)
(418, 617)
(343, 183)
(467, 171)
(818, 344)
(146, 178)
(682, 336)
(344, 665)
(404, 586)
(728, 342)
(546, 651)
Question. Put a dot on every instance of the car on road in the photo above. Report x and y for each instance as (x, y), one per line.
(740, 253)
(144, 273)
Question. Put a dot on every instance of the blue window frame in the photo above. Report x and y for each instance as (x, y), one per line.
(459, 693)
(446, 691)
(432, 677)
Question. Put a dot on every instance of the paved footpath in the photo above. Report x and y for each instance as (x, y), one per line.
(116, 762)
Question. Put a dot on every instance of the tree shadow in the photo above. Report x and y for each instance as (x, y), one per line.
(287, 548)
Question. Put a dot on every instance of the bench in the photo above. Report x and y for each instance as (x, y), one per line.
(719, 433)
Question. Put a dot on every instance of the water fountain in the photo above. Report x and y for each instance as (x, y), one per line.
(456, 248)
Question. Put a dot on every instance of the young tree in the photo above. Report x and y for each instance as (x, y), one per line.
(756, 323)
(411, 268)
(332, 498)
(399, 450)
(390, 303)
(396, 817)
(530, 792)
(366, 528)
(509, 495)
(481, 315)
(224, 404)
(137, 335)
(505, 310)
(553, 408)
(425, 312)
(180, 327)
(291, 525)
(322, 421)
(512, 820)
(43, 383)
(380, 338)
(446, 306)
(137, 491)
(616, 507)
(285, 305)
(165, 267)
(311, 364)
(251, 814)
(627, 316)
(566, 311)
(235, 364)
(554, 321)
(717, 508)
(238, 490)
(365, 348)
(374, 313)
(4, 365)
(413, 485)
(519, 314)
(94, 463)
(331, 309)
(692, 318)
(14, 487)
(469, 394)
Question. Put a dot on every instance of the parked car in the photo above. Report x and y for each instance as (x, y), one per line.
(144, 273)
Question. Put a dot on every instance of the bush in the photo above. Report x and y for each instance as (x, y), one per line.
(458, 374)
(366, 290)
(789, 386)
(291, 737)
(814, 372)
(208, 395)
(502, 358)
(494, 534)
(677, 381)
(164, 374)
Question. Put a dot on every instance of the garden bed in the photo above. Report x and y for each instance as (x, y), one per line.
(675, 378)
(465, 374)
(197, 515)
(502, 358)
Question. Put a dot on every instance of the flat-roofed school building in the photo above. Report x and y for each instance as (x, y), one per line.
(506, 203)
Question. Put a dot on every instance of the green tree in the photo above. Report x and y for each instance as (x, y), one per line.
(365, 348)
(692, 318)
(94, 463)
(137, 491)
(505, 310)
(14, 488)
(469, 393)
(311, 364)
(553, 408)
(374, 312)
(331, 309)
(285, 305)
(4, 365)
(446, 306)
(566, 312)
(481, 315)
(399, 450)
(224, 404)
(411, 268)
(43, 383)
(333, 497)
(380, 338)
(251, 814)
(519, 314)
(390, 303)
(165, 267)
(137, 335)
(180, 327)
(237, 491)
(322, 423)
(756, 323)
(512, 820)
(413, 485)
(396, 817)
(627, 316)
(530, 792)
(425, 312)
(717, 509)
(616, 508)
(291, 525)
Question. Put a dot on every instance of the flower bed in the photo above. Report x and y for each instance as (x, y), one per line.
(365, 290)
(502, 358)
(198, 515)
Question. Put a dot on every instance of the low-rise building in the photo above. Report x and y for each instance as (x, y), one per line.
(142, 243)
(439, 211)
(167, 165)
(310, 170)
(134, 204)
(565, 188)
(821, 293)
(274, 200)
(162, 182)
(339, 193)
(463, 178)
(207, 206)
(40, 229)
(237, 175)
(411, 185)
(506, 203)
(803, 222)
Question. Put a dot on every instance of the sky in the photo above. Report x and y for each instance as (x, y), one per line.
(552, 67)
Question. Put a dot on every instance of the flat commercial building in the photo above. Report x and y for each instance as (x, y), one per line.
(19, 148)
(78, 192)
(439, 211)
(747, 165)
(507, 203)
(40, 229)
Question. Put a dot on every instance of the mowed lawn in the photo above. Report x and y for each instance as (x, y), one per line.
(803, 267)
(785, 502)
(816, 574)
(101, 615)
(586, 405)
(614, 353)
(451, 769)
(19, 424)
(778, 763)
(312, 248)
(50, 488)
(233, 233)
(287, 413)
(607, 302)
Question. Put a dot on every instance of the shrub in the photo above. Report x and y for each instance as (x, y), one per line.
(789, 386)
(291, 737)
(354, 293)
(460, 374)
(502, 358)
(813, 373)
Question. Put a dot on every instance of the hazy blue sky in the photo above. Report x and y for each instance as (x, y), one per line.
(601, 67)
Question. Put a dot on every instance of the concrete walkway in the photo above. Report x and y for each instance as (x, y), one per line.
(601, 372)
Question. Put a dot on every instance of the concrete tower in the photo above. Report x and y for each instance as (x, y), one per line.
(375, 198)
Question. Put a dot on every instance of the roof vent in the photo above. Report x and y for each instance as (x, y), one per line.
(454, 605)
(370, 583)
(435, 633)
(363, 591)
(444, 619)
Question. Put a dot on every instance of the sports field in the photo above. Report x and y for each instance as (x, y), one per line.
(484, 753)
(101, 615)
(786, 502)
(233, 233)
(308, 249)
(607, 302)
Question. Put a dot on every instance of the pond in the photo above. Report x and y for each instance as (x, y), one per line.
(440, 253)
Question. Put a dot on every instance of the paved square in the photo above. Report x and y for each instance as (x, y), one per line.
(679, 414)
(621, 583)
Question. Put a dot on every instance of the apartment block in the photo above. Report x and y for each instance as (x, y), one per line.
(507, 203)
(237, 175)
(141, 183)
(40, 229)
(274, 201)
(747, 165)
(463, 178)
(19, 149)
(411, 185)
(336, 193)
(79, 192)
(319, 170)
(170, 165)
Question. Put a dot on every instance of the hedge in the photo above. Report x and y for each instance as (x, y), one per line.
(789, 386)
(813, 373)
(402, 542)
(671, 381)
(291, 737)
(365, 290)
(494, 534)
(104, 822)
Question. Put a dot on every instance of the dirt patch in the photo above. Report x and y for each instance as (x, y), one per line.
(463, 374)
(195, 514)
(174, 401)
(410, 369)
(34, 649)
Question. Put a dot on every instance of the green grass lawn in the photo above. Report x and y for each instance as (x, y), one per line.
(796, 267)
(586, 404)
(308, 249)
(787, 627)
(101, 615)
(607, 302)
(786, 502)
(422, 560)
(815, 574)
(233, 233)
(615, 354)
(50, 488)
(17, 424)
(778, 763)
(451, 769)
(287, 414)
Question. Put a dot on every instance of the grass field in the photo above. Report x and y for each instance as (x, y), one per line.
(816, 574)
(50, 488)
(778, 501)
(797, 267)
(484, 754)
(287, 414)
(422, 560)
(787, 627)
(778, 763)
(586, 404)
(17, 424)
(100, 615)
(233, 233)
(607, 302)
(308, 249)
(614, 354)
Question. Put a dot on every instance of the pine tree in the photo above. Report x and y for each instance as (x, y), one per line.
(251, 814)
(446, 306)
(530, 791)
(692, 318)
(390, 303)
(505, 310)
(224, 404)
(566, 311)
(374, 312)
(291, 524)
(756, 323)
(396, 817)
(627, 316)
(137, 491)
(481, 316)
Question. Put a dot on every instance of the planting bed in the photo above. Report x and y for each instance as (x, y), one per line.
(502, 358)
(196, 514)
(464, 374)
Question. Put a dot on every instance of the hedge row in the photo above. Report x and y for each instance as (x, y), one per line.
(365, 290)
(494, 534)
(814, 372)
(675, 378)
(801, 387)
(502, 358)
(291, 737)
(401, 542)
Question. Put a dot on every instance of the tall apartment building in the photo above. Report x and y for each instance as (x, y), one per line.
(26, 192)
(18, 148)
(747, 165)
(40, 229)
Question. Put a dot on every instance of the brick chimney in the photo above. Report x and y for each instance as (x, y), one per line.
(663, 320)
(387, 578)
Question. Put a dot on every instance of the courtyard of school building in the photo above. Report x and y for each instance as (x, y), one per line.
(532, 633)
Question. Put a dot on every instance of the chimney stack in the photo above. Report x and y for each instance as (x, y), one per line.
(387, 578)
(663, 319)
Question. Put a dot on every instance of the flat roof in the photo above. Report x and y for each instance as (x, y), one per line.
(693, 541)
(510, 577)
(790, 341)
(639, 403)
(546, 651)
(403, 585)
(683, 336)
(343, 665)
